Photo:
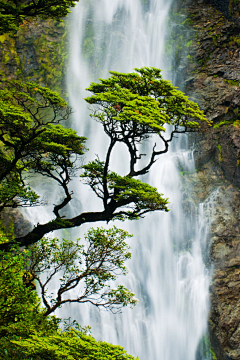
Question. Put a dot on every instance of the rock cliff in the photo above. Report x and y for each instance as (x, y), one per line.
(212, 78)
(37, 52)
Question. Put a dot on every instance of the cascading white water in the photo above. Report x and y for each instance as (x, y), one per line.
(168, 277)
(167, 271)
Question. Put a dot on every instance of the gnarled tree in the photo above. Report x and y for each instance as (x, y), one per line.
(86, 269)
(131, 108)
(32, 140)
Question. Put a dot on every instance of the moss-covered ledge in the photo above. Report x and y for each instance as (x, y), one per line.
(37, 52)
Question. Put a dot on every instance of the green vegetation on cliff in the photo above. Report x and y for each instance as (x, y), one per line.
(37, 52)
(13, 13)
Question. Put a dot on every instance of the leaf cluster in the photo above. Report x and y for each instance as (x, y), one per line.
(25, 330)
(20, 312)
(141, 103)
(32, 140)
(123, 191)
(70, 345)
(13, 13)
(85, 268)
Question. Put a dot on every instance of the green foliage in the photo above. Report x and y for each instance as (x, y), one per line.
(20, 312)
(49, 40)
(234, 122)
(232, 82)
(70, 345)
(144, 102)
(85, 268)
(13, 193)
(124, 190)
(25, 331)
(8, 23)
(189, 43)
(220, 153)
(222, 123)
(51, 55)
(236, 39)
(13, 13)
(188, 22)
(17, 303)
(31, 139)
(213, 354)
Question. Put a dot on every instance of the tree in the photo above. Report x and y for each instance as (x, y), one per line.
(14, 12)
(18, 304)
(69, 345)
(20, 312)
(131, 108)
(85, 268)
(27, 332)
(32, 140)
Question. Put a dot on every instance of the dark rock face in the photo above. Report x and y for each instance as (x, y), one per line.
(225, 254)
(222, 146)
(38, 52)
(213, 80)
(221, 5)
(14, 217)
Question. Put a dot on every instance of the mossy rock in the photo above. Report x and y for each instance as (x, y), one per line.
(37, 52)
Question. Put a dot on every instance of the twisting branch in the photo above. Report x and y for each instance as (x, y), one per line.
(85, 269)
(105, 172)
(131, 108)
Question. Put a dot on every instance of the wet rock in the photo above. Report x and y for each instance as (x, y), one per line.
(209, 184)
(21, 225)
(36, 53)
(215, 86)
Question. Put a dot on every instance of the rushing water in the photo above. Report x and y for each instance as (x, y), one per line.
(167, 271)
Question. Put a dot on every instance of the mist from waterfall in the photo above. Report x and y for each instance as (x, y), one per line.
(167, 272)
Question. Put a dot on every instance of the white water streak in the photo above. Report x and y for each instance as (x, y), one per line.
(167, 272)
(171, 283)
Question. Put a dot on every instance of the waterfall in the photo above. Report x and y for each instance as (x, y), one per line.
(167, 271)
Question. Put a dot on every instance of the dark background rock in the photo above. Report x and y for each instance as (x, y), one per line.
(212, 78)
(221, 5)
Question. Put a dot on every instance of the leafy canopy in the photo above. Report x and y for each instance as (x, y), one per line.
(85, 268)
(26, 332)
(142, 101)
(70, 345)
(20, 311)
(123, 191)
(32, 140)
(13, 13)
(132, 108)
